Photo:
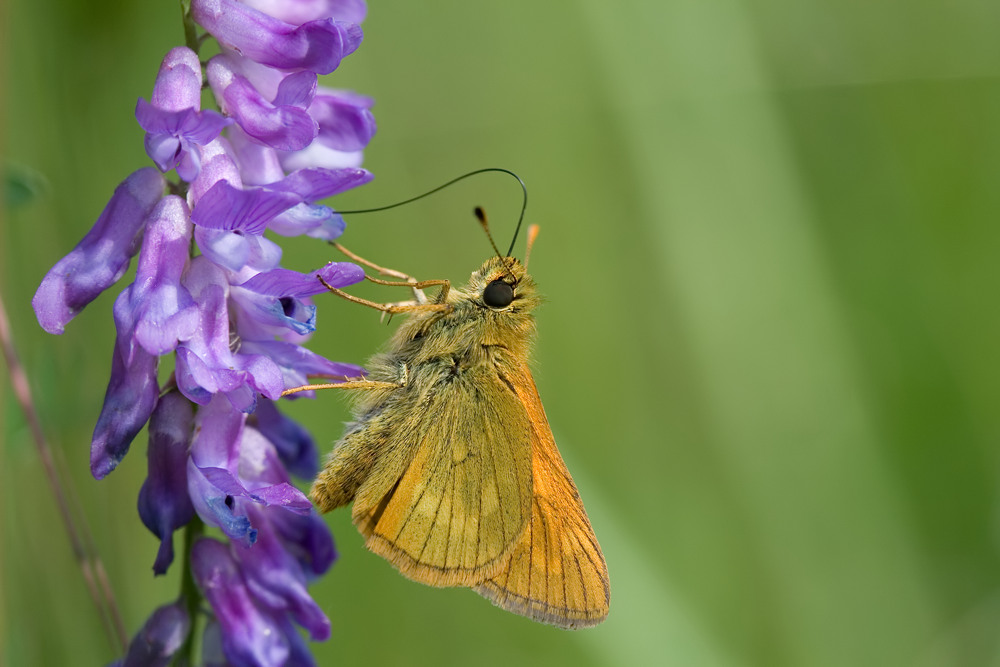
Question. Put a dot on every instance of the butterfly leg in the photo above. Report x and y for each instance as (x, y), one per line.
(393, 308)
(359, 384)
(408, 281)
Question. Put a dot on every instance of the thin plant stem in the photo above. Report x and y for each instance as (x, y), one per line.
(94, 575)
(190, 594)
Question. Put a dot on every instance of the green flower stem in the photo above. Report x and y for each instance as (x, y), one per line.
(190, 594)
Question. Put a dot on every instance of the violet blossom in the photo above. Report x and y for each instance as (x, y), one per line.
(209, 288)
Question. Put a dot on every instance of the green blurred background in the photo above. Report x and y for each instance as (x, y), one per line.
(769, 353)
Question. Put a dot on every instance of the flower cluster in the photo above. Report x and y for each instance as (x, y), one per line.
(209, 289)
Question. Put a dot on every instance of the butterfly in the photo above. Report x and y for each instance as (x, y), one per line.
(450, 462)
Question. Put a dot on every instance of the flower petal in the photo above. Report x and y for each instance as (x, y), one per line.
(317, 46)
(276, 578)
(164, 503)
(298, 12)
(217, 165)
(236, 251)
(178, 83)
(313, 220)
(298, 363)
(258, 164)
(102, 257)
(250, 635)
(164, 311)
(272, 300)
(288, 283)
(130, 397)
(318, 183)
(296, 90)
(317, 154)
(345, 121)
(277, 124)
(307, 537)
(160, 638)
(292, 442)
(246, 210)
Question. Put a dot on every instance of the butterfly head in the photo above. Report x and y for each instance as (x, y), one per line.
(502, 285)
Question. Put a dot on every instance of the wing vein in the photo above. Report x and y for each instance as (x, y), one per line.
(437, 510)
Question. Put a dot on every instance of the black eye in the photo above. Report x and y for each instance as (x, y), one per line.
(498, 294)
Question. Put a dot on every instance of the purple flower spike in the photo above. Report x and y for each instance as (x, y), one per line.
(160, 638)
(100, 259)
(164, 504)
(210, 287)
(317, 46)
(174, 125)
(250, 635)
(130, 397)
(284, 123)
(164, 311)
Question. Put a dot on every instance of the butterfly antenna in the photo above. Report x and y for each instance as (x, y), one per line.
(532, 235)
(481, 217)
(524, 198)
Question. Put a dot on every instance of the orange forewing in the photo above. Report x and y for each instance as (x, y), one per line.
(452, 516)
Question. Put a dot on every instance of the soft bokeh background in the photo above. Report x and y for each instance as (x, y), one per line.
(770, 233)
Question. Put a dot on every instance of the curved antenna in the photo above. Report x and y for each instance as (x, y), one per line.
(524, 201)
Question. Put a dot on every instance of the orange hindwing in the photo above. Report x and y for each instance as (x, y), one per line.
(556, 573)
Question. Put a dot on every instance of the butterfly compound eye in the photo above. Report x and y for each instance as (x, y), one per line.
(498, 294)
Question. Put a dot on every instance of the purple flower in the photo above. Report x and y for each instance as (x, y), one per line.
(231, 219)
(249, 635)
(130, 397)
(273, 300)
(294, 445)
(233, 467)
(175, 127)
(160, 638)
(248, 211)
(298, 363)
(100, 259)
(282, 122)
(303, 11)
(164, 503)
(317, 46)
(210, 289)
(345, 120)
(163, 310)
(278, 580)
(206, 365)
